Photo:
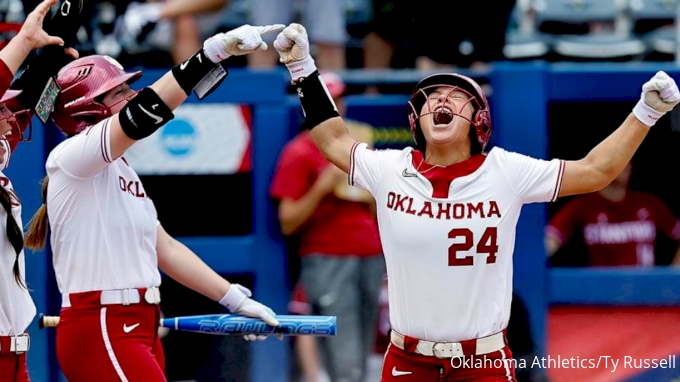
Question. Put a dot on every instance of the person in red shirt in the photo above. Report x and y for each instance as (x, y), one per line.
(619, 225)
(341, 255)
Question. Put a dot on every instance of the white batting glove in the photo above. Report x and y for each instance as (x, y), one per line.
(292, 44)
(659, 96)
(238, 301)
(242, 40)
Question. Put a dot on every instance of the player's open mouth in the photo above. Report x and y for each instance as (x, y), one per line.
(442, 116)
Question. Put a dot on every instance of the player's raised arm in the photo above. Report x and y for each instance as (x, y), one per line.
(606, 160)
(321, 115)
(153, 106)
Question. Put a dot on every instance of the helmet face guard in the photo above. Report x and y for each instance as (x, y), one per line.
(480, 120)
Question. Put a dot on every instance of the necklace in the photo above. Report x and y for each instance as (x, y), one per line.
(432, 166)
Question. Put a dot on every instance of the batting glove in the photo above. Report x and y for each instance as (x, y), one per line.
(292, 44)
(242, 40)
(238, 301)
(659, 96)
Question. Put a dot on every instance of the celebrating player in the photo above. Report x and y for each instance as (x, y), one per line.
(106, 240)
(447, 211)
(16, 306)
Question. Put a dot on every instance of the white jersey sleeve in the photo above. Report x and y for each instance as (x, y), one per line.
(367, 166)
(87, 153)
(534, 180)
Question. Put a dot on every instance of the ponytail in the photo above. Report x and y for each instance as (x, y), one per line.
(36, 238)
(14, 234)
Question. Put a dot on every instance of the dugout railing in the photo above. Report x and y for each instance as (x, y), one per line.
(521, 93)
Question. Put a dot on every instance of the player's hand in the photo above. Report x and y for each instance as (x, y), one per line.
(32, 30)
(292, 44)
(254, 309)
(659, 96)
(242, 40)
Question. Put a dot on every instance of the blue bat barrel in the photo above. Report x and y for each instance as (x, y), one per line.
(228, 324)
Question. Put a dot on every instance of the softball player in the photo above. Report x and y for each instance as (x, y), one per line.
(16, 306)
(448, 211)
(106, 240)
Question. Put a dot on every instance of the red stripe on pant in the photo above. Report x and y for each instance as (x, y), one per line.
(110, 343)
(12, 366)
(403, 366)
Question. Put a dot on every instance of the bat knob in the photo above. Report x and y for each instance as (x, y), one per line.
(41, 323)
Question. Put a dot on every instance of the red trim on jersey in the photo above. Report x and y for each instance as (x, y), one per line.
(247, 160)
(352, 151)
(105, 153)
(125, 161)
(441, 177)
(558, 184)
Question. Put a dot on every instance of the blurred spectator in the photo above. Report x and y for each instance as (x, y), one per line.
(477, 38)
(171, 23)
(306, 347)
(619, 226)
(325, 23)
(341, 256)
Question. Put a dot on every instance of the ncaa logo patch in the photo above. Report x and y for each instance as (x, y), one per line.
(178, 137)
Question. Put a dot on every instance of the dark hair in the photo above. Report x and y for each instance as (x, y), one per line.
(14, 234)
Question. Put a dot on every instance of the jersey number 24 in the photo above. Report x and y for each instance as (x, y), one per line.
(486, 244)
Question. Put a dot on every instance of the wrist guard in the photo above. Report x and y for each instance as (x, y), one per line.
(317, 103)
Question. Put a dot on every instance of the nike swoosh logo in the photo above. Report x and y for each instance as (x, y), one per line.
(183, 65)
(154, 116)
(128, 329)
(407, 174)
(397, 373)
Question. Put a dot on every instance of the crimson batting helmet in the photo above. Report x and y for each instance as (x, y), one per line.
(82, 82)
(481, 118)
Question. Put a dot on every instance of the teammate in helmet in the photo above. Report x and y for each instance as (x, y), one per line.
(17, 309)
(106, 240)
(448, 210)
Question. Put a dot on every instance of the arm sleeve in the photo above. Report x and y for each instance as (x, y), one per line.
(87, 153)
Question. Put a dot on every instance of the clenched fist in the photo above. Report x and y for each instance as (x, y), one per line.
(292, 44)
(659, 95)
(242, 40)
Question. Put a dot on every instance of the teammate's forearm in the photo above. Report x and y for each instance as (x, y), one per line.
(169, 90)
(294, 213)
(184, 266)
(611, 155)
(16, 52)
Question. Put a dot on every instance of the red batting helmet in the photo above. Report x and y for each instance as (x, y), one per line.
(481, 119)
(333, 83)
(19, 120)
(82, 82)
